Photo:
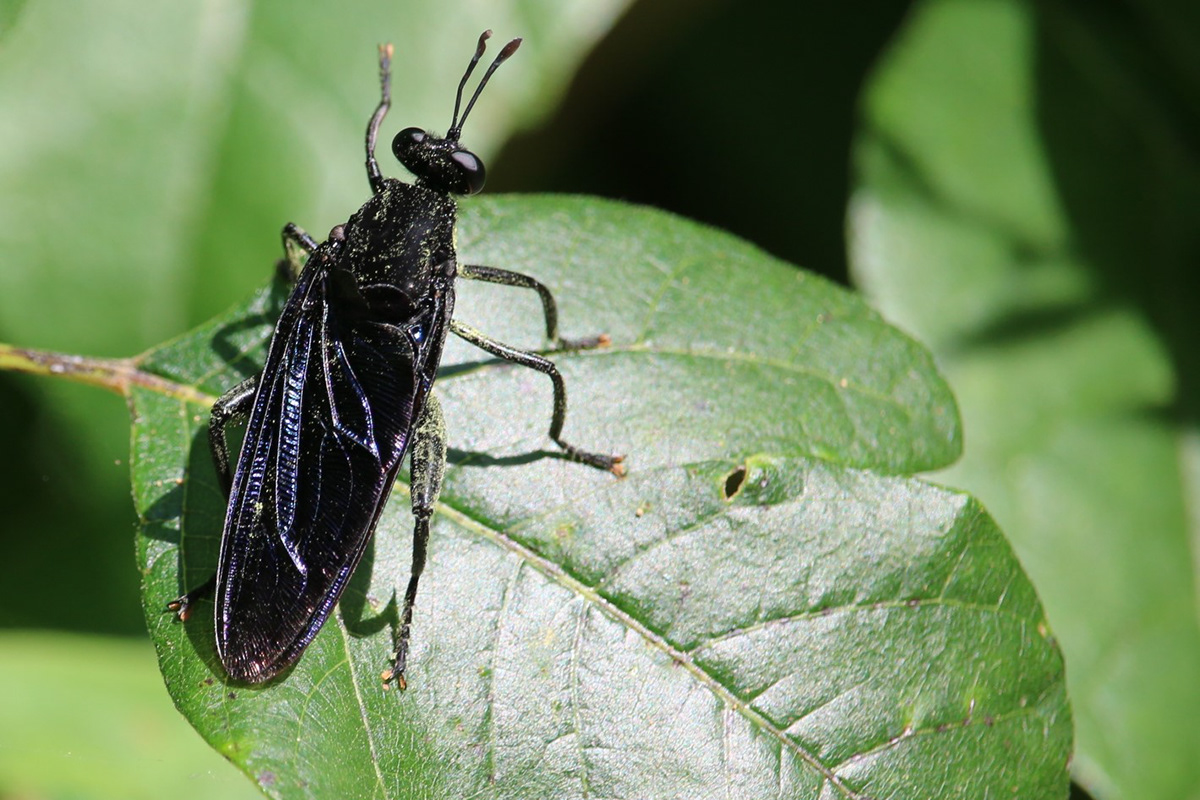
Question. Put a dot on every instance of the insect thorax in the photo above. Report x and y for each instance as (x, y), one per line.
(403, 236)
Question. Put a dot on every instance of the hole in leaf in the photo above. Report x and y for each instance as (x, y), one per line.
(734, 481)
(1079, 793)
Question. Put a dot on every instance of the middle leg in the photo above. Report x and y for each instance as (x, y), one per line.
(504, 277)
(546, 367)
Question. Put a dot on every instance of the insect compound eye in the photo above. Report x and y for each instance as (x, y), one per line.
(439, 162)
(470, 170)
(406, 142)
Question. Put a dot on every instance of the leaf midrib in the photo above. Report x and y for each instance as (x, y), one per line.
(558, 575)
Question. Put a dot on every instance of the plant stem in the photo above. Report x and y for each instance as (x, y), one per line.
(115, 374)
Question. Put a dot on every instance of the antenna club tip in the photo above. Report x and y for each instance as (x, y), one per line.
(387, 51)
(482, 45)
(509, 49)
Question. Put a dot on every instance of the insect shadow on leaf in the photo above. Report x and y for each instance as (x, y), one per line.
(229, 341)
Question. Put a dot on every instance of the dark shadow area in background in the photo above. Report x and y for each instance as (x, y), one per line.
(739, 115)
(1118, 105)
(60, 543)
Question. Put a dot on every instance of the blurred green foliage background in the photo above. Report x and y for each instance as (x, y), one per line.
(1016, 183)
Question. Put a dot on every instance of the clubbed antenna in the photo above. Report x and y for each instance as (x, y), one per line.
(479, 48)
(456, 124)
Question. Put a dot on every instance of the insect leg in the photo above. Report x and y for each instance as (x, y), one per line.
(182, 605)
(428, 460)
(297, 245)
(547, 368)
(385, 102)
(234, 404)
(504, 277)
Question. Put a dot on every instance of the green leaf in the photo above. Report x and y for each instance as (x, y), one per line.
(1027, 205)
(765, 607)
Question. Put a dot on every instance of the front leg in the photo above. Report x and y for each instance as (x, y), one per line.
(297, 247)
(385, 102)
(428, 462)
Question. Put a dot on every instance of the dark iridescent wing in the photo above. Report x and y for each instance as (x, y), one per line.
(330, 423)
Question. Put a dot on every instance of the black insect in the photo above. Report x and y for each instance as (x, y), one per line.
(345, 393)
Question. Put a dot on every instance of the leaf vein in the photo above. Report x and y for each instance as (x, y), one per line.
(852, 608)
(593, 599)
(577, 716)
(362, 708)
